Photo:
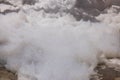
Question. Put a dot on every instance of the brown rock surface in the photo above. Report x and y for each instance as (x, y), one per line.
(7, 75)
(105, 72)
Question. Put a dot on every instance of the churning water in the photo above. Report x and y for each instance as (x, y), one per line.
(45, 42)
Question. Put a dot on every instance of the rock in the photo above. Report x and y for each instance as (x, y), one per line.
(7, 75)
(117, 78)
(105, 72)
(95, 7)
(30, 2)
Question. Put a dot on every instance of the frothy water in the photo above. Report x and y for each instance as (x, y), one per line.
(39, 45)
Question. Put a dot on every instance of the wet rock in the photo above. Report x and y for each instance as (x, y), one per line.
(5, 2)
(96, 4)
(92, 8)
(9, 11)
(30, 2)
(81, 14)
(90, 4)
(115, 2)
(7, 75)
(105, 72)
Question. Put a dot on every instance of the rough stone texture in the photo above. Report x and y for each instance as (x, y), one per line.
(6, 74)
(97, 4)
(105, 72)
(90, 4)
(30, 2)
(116, 2)
(89, 9)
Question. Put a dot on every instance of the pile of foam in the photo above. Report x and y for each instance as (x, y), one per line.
(112, 16)
(43, 46)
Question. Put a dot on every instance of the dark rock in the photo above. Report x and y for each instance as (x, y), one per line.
(30, 2)
(92, 8)
(106, 73)
(5, 2)
(9, 11)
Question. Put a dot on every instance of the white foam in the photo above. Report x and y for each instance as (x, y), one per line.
(41, 47)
